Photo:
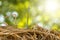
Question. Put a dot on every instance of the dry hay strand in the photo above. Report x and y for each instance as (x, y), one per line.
(28, 34)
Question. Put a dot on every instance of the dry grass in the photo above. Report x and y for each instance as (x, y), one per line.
(10, 33)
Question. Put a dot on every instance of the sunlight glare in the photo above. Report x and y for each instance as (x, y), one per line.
(51, 5)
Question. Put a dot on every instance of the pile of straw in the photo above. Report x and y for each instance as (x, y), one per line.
(28, 34)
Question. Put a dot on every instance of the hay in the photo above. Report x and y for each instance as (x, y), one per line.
(28, 34)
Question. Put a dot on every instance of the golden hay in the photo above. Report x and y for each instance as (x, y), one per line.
(28, 34)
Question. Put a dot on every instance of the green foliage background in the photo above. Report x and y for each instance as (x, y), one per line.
(25, 9)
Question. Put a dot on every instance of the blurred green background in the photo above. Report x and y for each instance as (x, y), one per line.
(26, 13)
